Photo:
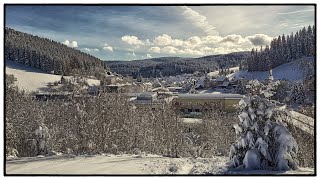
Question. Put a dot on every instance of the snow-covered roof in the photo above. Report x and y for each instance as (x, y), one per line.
(221, 78)
(147, 94)
(133, 94)
(115, 85)
(210, 96)
(53, 93)
(148, 83)
(200, 81)
(191, 120)
(165, 93)
(163, 89)
(137, 101)
(225, 84)
(174, 88)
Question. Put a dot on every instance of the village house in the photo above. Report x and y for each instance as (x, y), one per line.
(175, 90)
(222, 81)
(45, 96)
(149, 100)
(194, 104)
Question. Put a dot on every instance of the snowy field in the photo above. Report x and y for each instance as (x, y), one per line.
(31, 79)
(129, 164)
(290, 71)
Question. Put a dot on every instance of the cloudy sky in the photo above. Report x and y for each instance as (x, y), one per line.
(139, 32)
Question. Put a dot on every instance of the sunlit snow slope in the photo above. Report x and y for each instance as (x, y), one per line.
(31, 79)
(292, 71)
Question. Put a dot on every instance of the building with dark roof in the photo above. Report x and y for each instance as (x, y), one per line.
(194, 104)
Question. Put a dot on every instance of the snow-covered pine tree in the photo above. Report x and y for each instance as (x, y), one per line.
(263, 141)
(297, 94)
(41, 135)
(308, 40)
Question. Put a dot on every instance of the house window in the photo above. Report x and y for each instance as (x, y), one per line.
(197, 110)
(189, 110)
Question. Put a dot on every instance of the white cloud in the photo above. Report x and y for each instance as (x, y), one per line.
(132, 55)
(198, 20)
(149, 56)
(195, 40)
(162, 40)
(148, 42)
(107, 47)
(154, 49)
(203, 45)
(165, 40)
(169, 50)
(132, 40)
(233, 38)
(295, 12)
(89, 49)
(72, 44)
(259, 39)
(194, 52)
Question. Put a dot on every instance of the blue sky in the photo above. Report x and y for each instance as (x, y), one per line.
(138, 32)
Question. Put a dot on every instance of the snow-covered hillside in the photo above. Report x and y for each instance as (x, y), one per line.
(214, 74)
(292, 71)
(31, 79)
(129, 164)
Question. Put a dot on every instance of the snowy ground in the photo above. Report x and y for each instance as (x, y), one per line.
(128, 164)
(291, 71)
(31, 79)
(216, 73)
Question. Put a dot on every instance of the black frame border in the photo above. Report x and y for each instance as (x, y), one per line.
(156, 4)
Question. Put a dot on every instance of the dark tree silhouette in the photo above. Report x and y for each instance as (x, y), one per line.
(50, 56)
(283, 49)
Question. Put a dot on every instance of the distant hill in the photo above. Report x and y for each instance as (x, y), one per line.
(49, 56)
(168, 66)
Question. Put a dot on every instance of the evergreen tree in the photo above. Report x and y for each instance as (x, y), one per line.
(48, 55)
(263, 141)
(284, 49)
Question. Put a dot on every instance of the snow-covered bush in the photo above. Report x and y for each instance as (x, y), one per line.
(253, 87)
(216, 131)
(241, 86)
(282, 91)
(11, 152)
(11, 136)
(297, 94)
(41, 136)
(263, 141)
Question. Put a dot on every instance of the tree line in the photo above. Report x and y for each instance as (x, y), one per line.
(171, 66)
(283, 49)
(50, 56)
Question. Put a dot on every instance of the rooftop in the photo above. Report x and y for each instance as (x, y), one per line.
(191, 120)
(210, 96)
(224, 84)
(147, 94)
(172, 88)
(148, 102)
(221, 78)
